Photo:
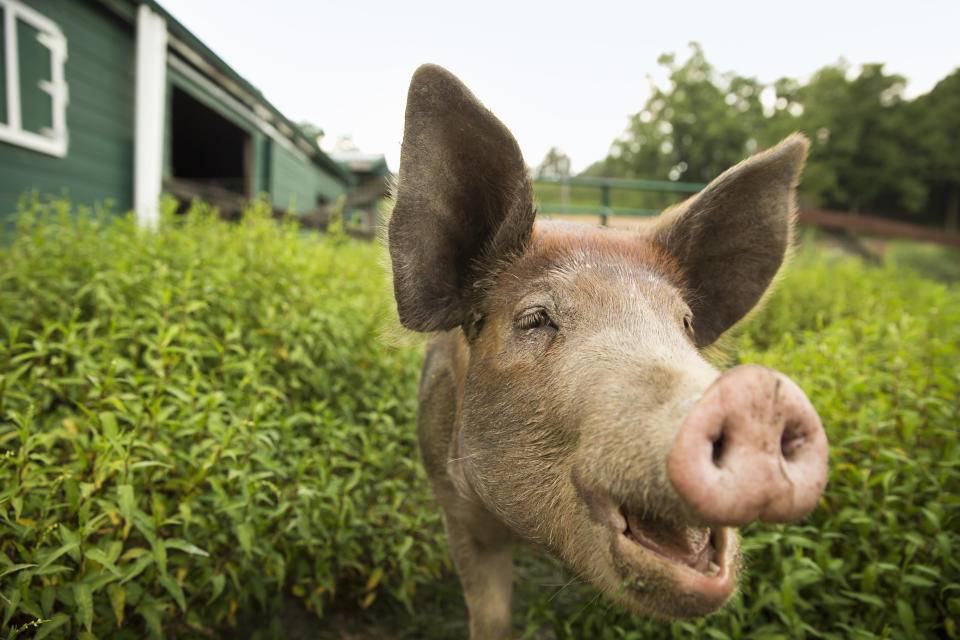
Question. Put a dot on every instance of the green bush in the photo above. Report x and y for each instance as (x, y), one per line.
(201, 421)
(197, 421)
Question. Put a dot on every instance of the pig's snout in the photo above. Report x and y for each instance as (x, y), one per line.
(752, 448)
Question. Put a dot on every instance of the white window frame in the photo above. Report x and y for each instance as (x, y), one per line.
(53, 140)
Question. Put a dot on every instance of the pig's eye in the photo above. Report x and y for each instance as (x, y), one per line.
(688, 323)
(535, 320)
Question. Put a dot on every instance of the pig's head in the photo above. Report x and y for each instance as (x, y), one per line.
(589, 422)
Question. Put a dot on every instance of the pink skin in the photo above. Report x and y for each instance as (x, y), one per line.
(686, 568)
(752, 448)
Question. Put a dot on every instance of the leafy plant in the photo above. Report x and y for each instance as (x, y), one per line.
(200, 425)
(196, 422)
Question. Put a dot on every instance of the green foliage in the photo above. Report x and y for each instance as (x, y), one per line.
(200, 425)
(703, 123)
(864, 145)
(930, 261)
(196, 422)
(872, 150)
(556, 164)
(935, 119)
(335, 229)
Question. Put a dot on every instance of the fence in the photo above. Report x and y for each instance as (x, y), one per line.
(610, 198)
(606, 197)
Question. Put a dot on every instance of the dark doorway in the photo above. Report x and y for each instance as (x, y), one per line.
(208, 151)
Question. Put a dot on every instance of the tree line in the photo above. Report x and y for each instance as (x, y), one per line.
(872, 150)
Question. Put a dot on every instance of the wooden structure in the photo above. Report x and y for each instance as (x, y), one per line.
(114, 100)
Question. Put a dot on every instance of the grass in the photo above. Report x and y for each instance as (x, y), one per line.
(203, 434)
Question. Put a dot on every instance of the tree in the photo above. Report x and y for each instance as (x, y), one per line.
(937, 136)
(862, 152)
(692, 130)
(556, 164)
(871, 149)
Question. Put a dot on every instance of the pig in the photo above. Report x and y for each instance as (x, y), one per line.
(564, 399)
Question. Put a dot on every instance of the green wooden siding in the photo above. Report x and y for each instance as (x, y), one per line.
(261, 163)
(287, 176)
(3, 69)
(36, 107)
(100, 75)
(99, 72)
(298, 183)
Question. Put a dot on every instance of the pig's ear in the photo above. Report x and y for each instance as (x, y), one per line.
(730, 239)
(463, 201)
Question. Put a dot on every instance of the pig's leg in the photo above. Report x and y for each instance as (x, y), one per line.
(485, 565)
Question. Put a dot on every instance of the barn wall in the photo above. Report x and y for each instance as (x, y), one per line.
(299, 183)
(98, 166)
(99, 72)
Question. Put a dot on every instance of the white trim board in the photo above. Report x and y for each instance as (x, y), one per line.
(150, 105)
(52, 140)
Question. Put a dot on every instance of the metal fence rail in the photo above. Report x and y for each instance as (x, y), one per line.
(604, 207)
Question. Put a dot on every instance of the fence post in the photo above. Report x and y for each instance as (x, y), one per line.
(605, 201)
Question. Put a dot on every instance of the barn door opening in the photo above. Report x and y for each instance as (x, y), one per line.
(210, 157)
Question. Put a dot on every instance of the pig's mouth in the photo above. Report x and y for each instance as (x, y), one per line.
(696, 565)
(694, 547)
(671, 568)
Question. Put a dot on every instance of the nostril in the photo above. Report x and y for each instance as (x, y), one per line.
(717, 453)
(792, 439)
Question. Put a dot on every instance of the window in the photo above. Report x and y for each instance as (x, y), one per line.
(33, 92)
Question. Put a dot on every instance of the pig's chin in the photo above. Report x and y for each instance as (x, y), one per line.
(694, 567)
(668, 569)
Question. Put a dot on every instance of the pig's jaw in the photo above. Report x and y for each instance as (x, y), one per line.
(667, 570)
(702, 577)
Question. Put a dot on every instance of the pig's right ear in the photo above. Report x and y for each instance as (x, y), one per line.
(463, 202)
(731, 238)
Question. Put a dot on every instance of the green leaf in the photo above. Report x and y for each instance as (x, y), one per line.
(133, 570)
(172, 586)
(219, 582)
(245, 536)
(46, 599)
(72, 540)
(905, 613)
(84, 599)
(108, 422)
(151, 615)
(67, 548)
(126, 501)
(53, 568)
(52, 625)
(160, 556)
(118, 597)
(183, 545)
(15, 568)
(100, 557)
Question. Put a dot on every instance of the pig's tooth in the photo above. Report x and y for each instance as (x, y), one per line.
(713, 569)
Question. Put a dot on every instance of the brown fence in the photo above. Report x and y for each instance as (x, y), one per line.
(859, 223)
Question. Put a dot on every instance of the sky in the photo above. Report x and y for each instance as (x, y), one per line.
(564, 74)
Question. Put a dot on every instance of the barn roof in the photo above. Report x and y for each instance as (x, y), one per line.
(197, 53)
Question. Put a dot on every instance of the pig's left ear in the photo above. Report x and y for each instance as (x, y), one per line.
(730, 239)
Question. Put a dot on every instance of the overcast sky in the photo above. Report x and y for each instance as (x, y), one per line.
(558, 73)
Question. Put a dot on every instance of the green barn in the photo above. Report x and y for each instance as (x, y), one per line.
(115, 101)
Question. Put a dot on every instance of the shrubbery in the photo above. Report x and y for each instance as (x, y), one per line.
(197, 421)
(202, 420)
